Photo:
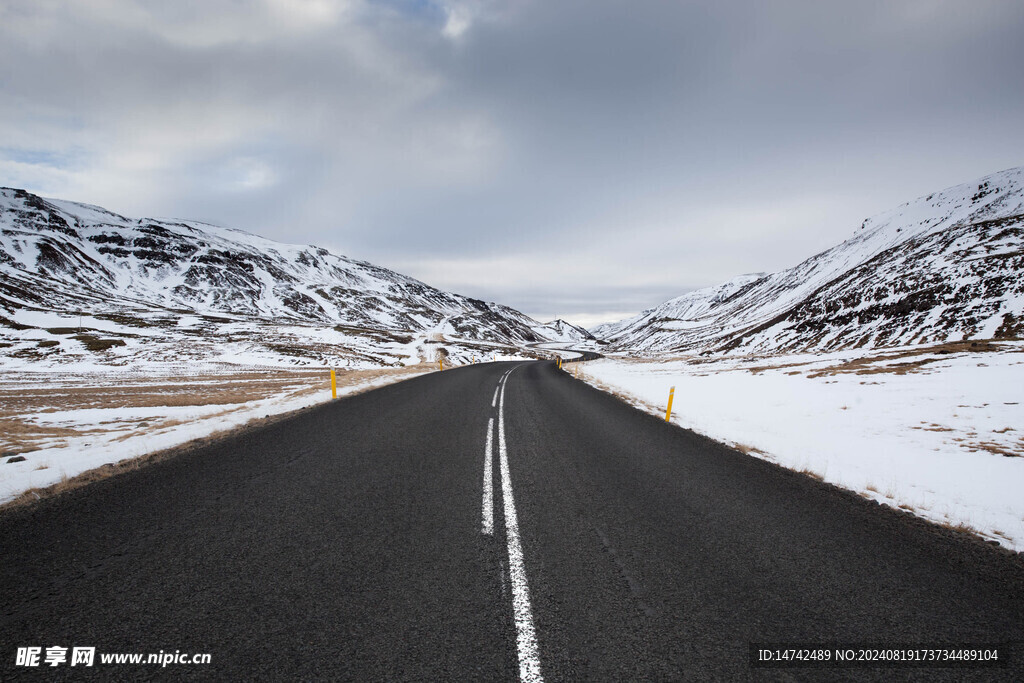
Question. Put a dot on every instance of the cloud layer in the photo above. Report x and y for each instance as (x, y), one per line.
(583, 159)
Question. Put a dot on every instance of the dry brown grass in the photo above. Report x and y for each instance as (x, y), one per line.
(19, 436)
(915, 359)
(1005, 450)
(109, 390)
(812, 474)
(962, 528)
(234, 390)
(881, 361)
(27, 396)
(932, 427)
(757, 369)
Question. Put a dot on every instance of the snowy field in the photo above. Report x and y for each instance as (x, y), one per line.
(67, 423)
(937, 431)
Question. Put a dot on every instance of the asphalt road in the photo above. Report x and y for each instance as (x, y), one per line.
(357, 541)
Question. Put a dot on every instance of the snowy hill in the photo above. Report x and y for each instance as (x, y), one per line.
(944, 267)
(562, 331)
(187, 290)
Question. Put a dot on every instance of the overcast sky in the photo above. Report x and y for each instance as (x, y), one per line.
(584, 159)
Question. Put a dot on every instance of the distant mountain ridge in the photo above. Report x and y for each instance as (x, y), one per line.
(945, 267)
(64, 258)
(564, 331)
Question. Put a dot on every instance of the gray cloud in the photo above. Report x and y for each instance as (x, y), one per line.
(571, 157)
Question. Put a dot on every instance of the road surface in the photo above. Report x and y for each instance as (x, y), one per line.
(501, 521)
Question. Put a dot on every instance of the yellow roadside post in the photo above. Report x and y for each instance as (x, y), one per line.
(334, 385)
(671, 395)
(440, 364)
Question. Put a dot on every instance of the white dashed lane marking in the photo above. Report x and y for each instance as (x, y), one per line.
(488, 505)
(526, 637)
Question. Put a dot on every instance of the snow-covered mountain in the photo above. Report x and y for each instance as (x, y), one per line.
(561, 331)
(949, 266)
(146, 285)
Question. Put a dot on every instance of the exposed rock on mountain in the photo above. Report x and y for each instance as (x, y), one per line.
(147, 285)
(562, 331)
(949, 266)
